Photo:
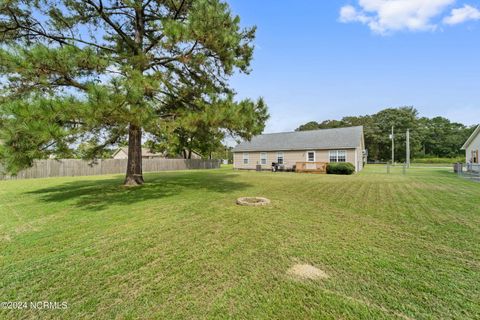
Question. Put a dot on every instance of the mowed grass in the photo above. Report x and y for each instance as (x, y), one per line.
(393, 246)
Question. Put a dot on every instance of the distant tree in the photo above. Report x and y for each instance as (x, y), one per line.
(442, 137)
(312, 125)
(203, 141)
(371, 132)
(105, 70)
(327, 124)
(401, 119)
(202, 136)
(223, 152)
(428, 137)
(84, 151)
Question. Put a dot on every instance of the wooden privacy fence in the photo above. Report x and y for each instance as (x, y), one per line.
(74, 167)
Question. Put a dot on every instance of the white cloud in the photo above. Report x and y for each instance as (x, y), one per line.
(350, 14)
(386, 16)
(461, 15)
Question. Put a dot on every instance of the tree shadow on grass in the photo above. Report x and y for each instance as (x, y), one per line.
(100, 194)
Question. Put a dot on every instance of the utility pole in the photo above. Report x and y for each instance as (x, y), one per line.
(408, 148)
(393, 146)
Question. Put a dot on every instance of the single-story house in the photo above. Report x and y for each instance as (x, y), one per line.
(472, 147)
(122, 153)
(288, 148)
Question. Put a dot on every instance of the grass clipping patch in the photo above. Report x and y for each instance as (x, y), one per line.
(307, 271)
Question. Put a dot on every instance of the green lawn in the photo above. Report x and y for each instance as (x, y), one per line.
(394, 246)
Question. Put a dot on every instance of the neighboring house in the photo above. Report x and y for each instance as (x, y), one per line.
(288, 148)
(472, 147)
(193, 155)
(122, 153)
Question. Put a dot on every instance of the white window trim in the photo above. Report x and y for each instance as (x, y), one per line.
(314, 156)
(330, 153)
(357, 164)
(246, 156)
(282, 156)
(335, 153)
(262, 158)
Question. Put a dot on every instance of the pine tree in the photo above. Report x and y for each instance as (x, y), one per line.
(99, 71)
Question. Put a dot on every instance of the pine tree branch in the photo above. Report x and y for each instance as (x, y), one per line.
(116, 27)
(153, 42)
(178, 10)
(163, 61)
(146, 4)
(73, 83)
(63, 40)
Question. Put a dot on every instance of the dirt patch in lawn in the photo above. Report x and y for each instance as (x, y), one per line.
(307, 271)
(5, 237)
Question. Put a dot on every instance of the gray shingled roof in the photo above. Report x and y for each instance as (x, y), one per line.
(339, 138)
(472, 137)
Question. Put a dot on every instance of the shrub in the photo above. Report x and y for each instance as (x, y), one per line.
(340, 168)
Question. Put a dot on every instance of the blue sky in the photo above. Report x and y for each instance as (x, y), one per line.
(318, 60)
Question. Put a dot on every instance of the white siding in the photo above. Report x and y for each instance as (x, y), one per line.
(474, 146)
(121, 155)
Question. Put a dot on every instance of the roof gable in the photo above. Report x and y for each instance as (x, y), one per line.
(338, 138)
(146, 152)
(118, 151)
(471, 138)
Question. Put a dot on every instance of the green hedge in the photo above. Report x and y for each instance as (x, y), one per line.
(432, 160)
(340, 168)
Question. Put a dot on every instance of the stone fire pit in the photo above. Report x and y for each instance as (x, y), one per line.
(253, 201)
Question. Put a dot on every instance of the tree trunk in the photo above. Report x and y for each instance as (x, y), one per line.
(134, 175)
(189, 153)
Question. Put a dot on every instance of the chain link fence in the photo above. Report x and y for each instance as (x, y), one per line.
(468, 171)
(412, 168)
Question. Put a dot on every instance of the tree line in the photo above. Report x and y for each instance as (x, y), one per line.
(429, 137)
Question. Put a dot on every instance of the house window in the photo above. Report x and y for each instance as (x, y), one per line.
(338, 156)
(280, 157)
(333, 156)
(245, 158)
(311, 156)
(475, 156)
(263, 158)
